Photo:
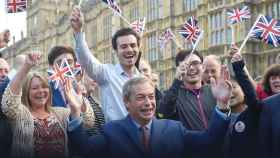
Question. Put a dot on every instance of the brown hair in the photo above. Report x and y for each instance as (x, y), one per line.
(57, 51)
(124, 32)
(26, 89)
(273, 70)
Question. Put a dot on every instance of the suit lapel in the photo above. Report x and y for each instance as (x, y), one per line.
(131, 130)
(156, 135)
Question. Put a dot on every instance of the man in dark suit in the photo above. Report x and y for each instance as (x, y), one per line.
(269, 132)
(140, 135)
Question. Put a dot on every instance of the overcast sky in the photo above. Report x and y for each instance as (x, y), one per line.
(15, 22)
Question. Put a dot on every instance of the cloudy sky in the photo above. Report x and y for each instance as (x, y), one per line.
(14, 22)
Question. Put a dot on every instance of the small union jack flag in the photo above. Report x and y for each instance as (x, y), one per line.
(59, 74)
(138, 25)
(113, 5)
(238, 15)
(165, 37)
(190, 30)
(14, 6)
(77, 68)
(267, 30)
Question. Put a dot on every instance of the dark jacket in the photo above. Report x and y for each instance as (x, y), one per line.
(167, 139)
(243, 137)
(5, 128)
(270, 127)
(192, 108)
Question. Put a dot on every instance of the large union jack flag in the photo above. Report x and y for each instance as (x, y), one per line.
(190, 30)
(113, 5)
(238, 15)
(165, 37)
(59, 74)
(14, 6)
(138, 25)
(267, 30)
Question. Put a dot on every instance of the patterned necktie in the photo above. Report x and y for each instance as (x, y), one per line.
(145, 137)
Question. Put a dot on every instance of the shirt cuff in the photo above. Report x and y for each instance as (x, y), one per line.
(223, 115)
(73, 123)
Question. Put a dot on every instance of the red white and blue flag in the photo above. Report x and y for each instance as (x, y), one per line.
(190, 30)
(165, 37)
(139, 25)
(59, 74)
(267, 29)
(14, 6)
(238, 15)
(113, 5)
(77, 68)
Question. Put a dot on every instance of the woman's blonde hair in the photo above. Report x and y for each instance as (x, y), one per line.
(26, 89)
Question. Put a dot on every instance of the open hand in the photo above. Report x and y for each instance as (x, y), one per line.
(222, 88)
(74, 98)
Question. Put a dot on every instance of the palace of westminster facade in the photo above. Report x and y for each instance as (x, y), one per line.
(48, 25)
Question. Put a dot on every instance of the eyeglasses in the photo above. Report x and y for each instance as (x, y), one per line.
(194, 63)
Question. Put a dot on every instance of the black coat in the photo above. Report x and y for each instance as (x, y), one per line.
(243, 138)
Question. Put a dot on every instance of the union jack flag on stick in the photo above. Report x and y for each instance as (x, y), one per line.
(14, 6)
(77, 68)
(266, 29)
(165, 37)
(238, 15)
(190, 30)
(112, 4)
(139, 25)
(59, 74)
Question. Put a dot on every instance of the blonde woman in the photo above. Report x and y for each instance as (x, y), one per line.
(39, 130)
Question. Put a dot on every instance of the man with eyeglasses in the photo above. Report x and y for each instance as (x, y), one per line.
(187, 100)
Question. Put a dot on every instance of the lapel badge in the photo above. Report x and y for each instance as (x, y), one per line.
(239, 126)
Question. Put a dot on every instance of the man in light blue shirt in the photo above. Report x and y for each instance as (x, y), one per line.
(110, 78)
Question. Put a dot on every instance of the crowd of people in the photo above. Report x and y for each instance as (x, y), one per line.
(208, 111)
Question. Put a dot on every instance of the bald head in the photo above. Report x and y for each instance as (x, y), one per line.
(212, 68)
(4, 68)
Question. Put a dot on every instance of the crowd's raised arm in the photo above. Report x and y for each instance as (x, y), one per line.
(208, 111)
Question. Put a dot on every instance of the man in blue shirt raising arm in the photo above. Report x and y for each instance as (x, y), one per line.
(141, 135)
(110, 78)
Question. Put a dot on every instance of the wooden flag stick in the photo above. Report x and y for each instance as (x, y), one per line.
(124, 19)
(80, 3)
(232, 35)
(249, 34)
(177, 43)
(196, 43)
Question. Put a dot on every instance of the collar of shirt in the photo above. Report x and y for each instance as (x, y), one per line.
(120, 70)
(149, 125)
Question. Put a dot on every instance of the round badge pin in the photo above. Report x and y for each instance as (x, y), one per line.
(239, 126)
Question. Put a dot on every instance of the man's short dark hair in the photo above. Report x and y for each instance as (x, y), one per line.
(182, 55)
(124, 32)
(57, 51)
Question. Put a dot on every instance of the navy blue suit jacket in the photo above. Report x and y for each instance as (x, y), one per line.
(168, 139)
(270, 127)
